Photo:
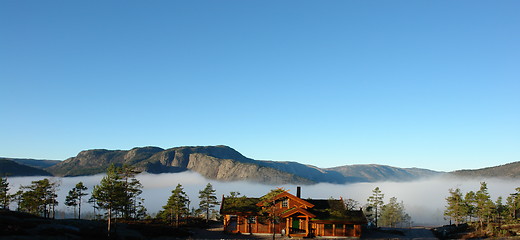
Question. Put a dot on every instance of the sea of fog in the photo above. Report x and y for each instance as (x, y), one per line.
(424, 200)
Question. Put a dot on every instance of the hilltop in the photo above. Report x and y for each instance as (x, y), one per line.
(11, 168)
(510, 170)
(224, 163)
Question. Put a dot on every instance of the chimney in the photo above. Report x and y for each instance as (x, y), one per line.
(298, 192)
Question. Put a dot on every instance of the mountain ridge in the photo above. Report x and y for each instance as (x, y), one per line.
(13, 169)
(224, 163)
(508, 170)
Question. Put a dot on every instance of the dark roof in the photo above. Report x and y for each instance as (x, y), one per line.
(239, 205)
(285, 194)
(331, 209)
(297, 210)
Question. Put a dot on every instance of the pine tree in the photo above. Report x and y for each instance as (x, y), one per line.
(4, 193)
(110, 194)
(471, 205)
(513, 201)
(376, 202)
(208, 200)
(484, 205)
(40, 198)
(132, 189)
(392, 213)
(456, 208)
(177, 205)
(118, 192)
(75, 196)
(71, 200)
(500, 210)
(80, 190)
(269, 208)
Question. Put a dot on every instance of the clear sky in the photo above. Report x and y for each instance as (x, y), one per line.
(429, 84)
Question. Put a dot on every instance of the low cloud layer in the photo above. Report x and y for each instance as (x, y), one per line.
(424, 200)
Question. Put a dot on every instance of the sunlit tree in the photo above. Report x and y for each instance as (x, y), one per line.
(393, 213)
(269, 208)
(500, 209)
(484, 204)
(456, 208)
(117, 192)
(176, 206)
(40, 198)
(208, 200)
(513, 201)
(470, 200)
(376, 202)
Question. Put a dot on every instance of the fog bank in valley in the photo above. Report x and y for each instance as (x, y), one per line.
(424, 200)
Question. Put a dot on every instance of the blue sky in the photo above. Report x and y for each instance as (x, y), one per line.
(429, 84)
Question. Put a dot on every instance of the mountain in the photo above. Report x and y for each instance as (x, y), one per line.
(34, 162)
(13, 169)
(511, 170)
(310, 172)
(226, 164)
(374, 173)
(213, 162)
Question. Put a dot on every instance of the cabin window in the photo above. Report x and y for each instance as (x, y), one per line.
(251, 219)
(285, 202)
(349, 226)
(328, 226)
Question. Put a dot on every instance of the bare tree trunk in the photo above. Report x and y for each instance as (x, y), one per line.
(109, 220)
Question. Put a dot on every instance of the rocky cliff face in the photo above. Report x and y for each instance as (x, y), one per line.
(232, 170)
(213, 162)
(226, 164)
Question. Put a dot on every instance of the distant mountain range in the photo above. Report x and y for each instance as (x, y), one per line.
(226, 164)
(510, 170)
(11, 167)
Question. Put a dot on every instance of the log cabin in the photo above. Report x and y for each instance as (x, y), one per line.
(283, 213)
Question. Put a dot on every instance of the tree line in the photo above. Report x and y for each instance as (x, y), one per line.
(117, 196)
(479, 207)
(391, 214)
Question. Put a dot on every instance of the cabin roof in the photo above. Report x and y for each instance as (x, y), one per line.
(239, 205)
(297, 210)
(332, 209)
(286, 194)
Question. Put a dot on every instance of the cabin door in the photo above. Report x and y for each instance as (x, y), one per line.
(232, 224)
(296, 223)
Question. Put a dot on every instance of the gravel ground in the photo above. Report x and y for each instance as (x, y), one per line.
(216, 232)
(399, 233)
